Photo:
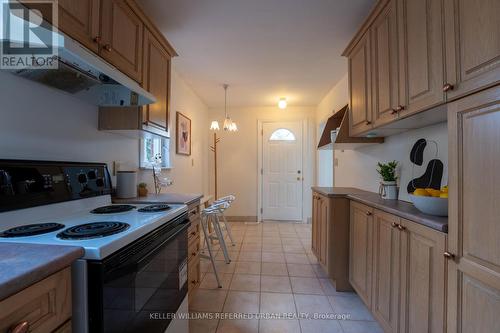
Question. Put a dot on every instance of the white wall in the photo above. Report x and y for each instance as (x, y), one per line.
(334, 100)
(357, 168)
(237, 160)
(38, 122)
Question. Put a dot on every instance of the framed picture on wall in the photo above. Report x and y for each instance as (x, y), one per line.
(183, 134)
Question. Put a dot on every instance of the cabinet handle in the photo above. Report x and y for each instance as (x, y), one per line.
(193, 281)
(193, 253)
(447, 87)
(368, 213)
(107, 47)
(193, 233)
(394, 225)
(368, 122)
(449, 255)
(97, 39)
(22, 327)
(399, 108)
(394, 111)
(400, 227)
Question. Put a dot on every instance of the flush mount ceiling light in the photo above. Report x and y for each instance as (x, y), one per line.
(282, 103)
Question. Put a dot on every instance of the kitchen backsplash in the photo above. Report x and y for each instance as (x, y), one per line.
(357, 168)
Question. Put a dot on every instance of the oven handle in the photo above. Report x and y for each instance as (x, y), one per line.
(134, 266)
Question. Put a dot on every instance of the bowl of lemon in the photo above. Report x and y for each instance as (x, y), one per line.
(431, 201)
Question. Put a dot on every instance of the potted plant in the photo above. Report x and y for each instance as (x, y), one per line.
(143, 190)
(388, 186)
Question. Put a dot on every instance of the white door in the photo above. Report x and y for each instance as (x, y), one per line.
(282, 172)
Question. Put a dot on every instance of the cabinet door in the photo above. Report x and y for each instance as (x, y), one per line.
(384, 43)
(472, 45)
(156, 81)
(122, 35)
(386, 274)
(360, 250)
(80, 21)
(474, 228)
(324, 216)
(360, 87)
(314, 226)
(421, 55)
(423, 279)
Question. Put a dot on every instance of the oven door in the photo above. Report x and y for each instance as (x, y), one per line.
(140, 287)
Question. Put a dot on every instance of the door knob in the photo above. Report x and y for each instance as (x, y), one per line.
(107, 47)
(298, 178)
(448, 255)
(447, 87)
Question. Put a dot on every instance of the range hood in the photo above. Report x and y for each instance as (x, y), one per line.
(336, 134)
(80, 72)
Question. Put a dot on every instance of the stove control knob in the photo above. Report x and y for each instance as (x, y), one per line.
(82, 178)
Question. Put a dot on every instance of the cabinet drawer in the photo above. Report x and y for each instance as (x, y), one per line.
(194, 248)
(194, 274)
(45, 305)
(194, 212)
(194, 231)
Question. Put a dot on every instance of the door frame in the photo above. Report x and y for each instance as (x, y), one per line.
(305, 137)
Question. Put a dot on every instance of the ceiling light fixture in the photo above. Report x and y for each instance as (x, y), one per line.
(282, 103)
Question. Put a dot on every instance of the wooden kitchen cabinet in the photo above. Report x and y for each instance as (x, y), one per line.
(156, 75)
(122, 37)
(423, 274)
(330, 237)
(474, 232)
(472, 46)
(386, 270)
(384, 54)
(194, 247)
(361, 251)
(45, 306)
(80, 20)
(421, 55)
(360, 87)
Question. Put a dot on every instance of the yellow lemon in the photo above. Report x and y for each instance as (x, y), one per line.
(421, 192)
(443, 195)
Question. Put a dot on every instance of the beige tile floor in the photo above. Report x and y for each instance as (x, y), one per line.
(273, 271)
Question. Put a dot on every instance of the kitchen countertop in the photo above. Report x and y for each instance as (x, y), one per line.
(400, 208)
(22, 265)
(172, 198)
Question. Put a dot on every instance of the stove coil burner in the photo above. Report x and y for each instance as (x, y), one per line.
(112, 209)
(93, 230)
(31, 230)
(154, 208)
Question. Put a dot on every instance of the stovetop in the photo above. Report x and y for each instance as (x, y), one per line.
(123, 227)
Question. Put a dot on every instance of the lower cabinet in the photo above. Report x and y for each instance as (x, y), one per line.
(42, 307)
(397, 267)
(194, 247)
(330, 237)
(361, 251)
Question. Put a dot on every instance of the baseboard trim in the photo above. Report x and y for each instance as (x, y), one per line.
(241, 218)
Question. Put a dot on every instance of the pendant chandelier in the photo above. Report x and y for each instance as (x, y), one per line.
(229, 124)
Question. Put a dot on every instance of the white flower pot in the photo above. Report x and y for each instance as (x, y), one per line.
(388, 190)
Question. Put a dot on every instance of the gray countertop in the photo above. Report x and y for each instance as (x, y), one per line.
(172, 198)
(22, 265)
(402, 209)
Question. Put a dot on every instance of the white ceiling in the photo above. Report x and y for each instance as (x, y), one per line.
(264, 49)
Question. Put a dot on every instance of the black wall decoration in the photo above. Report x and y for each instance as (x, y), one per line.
(433, 173)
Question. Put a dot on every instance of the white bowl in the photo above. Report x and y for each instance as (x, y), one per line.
(430, 205)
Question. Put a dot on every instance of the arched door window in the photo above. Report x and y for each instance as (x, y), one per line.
(282, 134)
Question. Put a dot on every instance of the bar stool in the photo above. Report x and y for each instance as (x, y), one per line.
(212, 216)
(229, 199)
(207, 215)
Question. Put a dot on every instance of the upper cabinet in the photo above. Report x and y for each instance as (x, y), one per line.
(421, 55)
(413, 55)
(359, 86)
(156, 81)
(80, 20)
(122, 35)
(472, 30)
(384, 43)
